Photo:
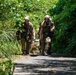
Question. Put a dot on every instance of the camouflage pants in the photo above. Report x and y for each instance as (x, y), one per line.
(44, 45)
(26, 45)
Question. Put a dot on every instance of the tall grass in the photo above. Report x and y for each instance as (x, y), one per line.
(8, 43)
(8, 48)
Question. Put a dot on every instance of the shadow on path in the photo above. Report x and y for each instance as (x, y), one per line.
(45, 65)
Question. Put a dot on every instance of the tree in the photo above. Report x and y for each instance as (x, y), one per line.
(64, 17)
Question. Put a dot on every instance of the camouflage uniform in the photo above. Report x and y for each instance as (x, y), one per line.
(27, 37)
(45, 32)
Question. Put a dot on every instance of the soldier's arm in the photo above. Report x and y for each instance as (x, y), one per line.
(53, 26)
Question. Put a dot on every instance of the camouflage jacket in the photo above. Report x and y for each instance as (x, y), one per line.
(46, 29)
(28, 31)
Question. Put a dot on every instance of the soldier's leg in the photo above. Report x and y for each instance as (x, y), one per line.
(40, 46)
(49, 50)
(43, 46)
(28, 46)
(23, 46)
(50, 45)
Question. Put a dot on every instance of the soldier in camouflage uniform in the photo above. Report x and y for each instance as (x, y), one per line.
(47, 30)
(26, 36)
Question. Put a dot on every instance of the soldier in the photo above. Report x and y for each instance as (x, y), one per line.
(27, 36)
(47, 30)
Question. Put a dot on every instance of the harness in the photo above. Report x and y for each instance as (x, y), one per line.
(27, 34)
(46, 29)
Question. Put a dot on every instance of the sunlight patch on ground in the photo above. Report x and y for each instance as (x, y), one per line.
(25, 73)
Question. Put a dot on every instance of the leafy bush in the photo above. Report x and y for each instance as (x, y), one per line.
(65, 26)
(6, 67)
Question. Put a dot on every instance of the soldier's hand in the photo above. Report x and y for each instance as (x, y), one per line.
(23, 30)
(51, 30)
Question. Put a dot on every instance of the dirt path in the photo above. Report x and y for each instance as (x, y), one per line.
(45, 65)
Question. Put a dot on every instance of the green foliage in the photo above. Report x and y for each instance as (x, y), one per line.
(8, 43)
(6, 67)
(64, 17)
(8, 48)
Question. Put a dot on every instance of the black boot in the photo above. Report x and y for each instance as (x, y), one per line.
(23, 52)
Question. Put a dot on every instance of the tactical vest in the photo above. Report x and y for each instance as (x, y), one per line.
(46, 29)
(27, 33)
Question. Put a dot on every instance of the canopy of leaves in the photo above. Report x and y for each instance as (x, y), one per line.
(64, 14)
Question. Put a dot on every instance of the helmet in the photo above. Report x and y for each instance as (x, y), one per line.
(27, 18)
(47, 16)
